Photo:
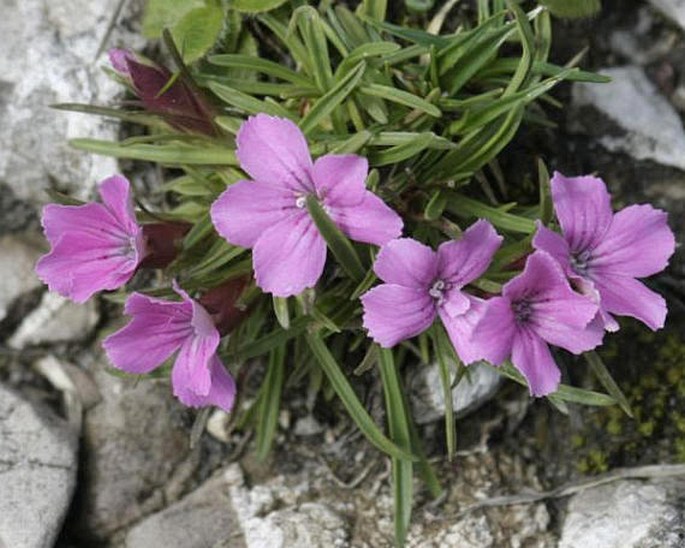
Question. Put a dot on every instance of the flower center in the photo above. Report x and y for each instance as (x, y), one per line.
(301, 202)
(523, 310)
(437, 291)
(580, 262)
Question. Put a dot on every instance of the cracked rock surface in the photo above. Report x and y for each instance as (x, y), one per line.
(38, 462)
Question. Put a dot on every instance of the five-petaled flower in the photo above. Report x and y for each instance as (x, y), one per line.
(422, 284)
(269, 213)
(605, 253)
(537, 307)
(95, 246)
(158, 329)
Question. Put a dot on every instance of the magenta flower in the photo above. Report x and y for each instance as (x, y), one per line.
(422, 284)
(158, 329)
(94, 246)
(269, 213)
(537, 307)
(605, 253)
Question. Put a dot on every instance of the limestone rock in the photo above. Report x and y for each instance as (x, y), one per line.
(38, 462)
(474, 389)
(626, 514)
(19, 255)
(649, 128)
(673, 9)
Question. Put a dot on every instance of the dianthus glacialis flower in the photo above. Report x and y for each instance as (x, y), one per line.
(422, 284)
(606, 253)
(269, 212)
(95, 246)
(537, 308)
(158, 329)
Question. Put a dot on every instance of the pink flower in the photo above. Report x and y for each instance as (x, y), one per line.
(269, 213)
(605, 253)
(158, 329)
(422, 284)
(94, 246)
(536, 308)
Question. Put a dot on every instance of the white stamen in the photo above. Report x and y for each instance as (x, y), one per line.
(301, 202)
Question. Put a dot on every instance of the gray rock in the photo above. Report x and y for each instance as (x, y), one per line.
(202, 519)
(474, 389)
(272, 516)
(135, 446)
(19, 255)
(626, 514)
(49, 51)
(55, 319)
(38, 462)
(649, 126)
(673, 9)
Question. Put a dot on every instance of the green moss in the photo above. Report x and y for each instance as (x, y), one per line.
(650, 369)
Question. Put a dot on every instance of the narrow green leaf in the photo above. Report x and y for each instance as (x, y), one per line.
(281, 311)
(546, 206)
(602, 373)
(446, 382)
(436, 205)
(256, 6)
(161, 14)
(467, 207)
(401, 97)
(167, 153)
(368, 361)
(349, 399)
(270, 400)
(314, 38)
(337, 242)
(332, 99)
(398, 426)
(247, 103)
(374, 8)
(353, 144)
(257, 64)
(573, 9)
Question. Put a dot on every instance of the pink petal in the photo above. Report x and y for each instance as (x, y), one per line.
(542, 280)
(273, 150)
(460, 330)
(221, 392)
(157, 330)
(583, 207)
(196, 353)
(554, 244)
(78, 266)
(117, 198)
(492, 337)
(340, 179)
(464, 260)
(407, 262)
(531, 356)
(393, 313)
(571, 336)
(245, 210)
(118, 58)
(625, 296)
(370, 221)
(638, 243)
(289, 256)
(455, 302)
(91, 219)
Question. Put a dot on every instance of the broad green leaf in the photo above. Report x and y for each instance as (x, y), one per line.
(256, 6)
(167, 153)
(337, 242)
(349, 399)
(197, 31)
(398, 426)
(401, 97)
(269, 402)
(602, 373)
(161, 14)
(324, 106)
